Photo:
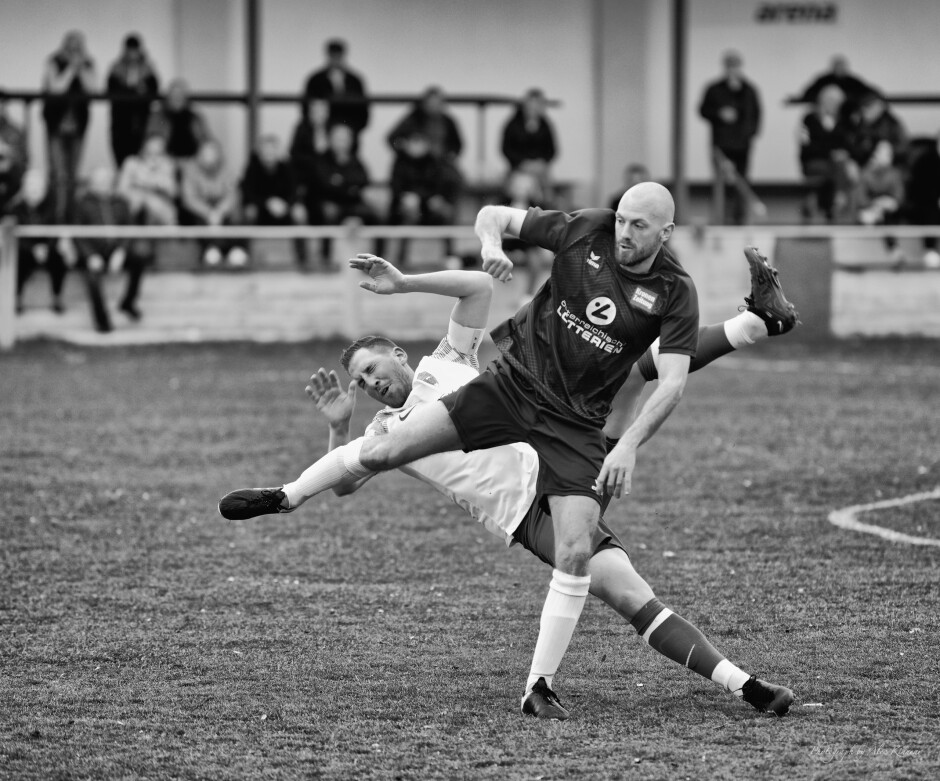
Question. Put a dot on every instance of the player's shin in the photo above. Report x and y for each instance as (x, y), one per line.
(331, 470)
(683, 643)
(566, 597)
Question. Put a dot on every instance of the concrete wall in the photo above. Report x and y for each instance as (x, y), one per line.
(607, 61)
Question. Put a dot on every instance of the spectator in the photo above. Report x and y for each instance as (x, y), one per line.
(875, 122)
(424, 190)
(839, 75)
(342, 88)
(12, 138)
(633, 174)
(342, 179)
(311, 139)
(11, 177)
(429, 118)
(881, 187)
(183, 127)
(732, 107)
(101, 205)
(529, 148)
(32, 207)
(133, 78)
(923, 196)
(68, 79)
(824, 157)
(208, 197)
(269, 191)
(148, 183)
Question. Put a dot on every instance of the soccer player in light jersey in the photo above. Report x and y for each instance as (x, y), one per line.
(501, 487)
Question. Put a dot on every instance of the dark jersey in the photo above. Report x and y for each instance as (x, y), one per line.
(577, 339)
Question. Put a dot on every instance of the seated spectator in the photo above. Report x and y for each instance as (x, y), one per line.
(839, 74)
(33, 207)
(429, 118)
(101, 205)
(269, 191)
(13, 143)
(424, 191)
(11, 176)
(876, 123)
(342, 179)
(311, 139)
(148, 182)
(824, 158)
(132, 77)
(183, 128)
(208, 197)
(529, 148)
(881, 187)
(633, 174)
(923, 196)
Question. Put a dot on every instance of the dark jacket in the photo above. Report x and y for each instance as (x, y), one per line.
(341, 183)
(441, 131)
(733, 136)
(95, 210)
(261, 183)
(520, 144)
(355, 114)
(56, 107)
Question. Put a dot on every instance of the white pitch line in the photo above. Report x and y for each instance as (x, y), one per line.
(846, 518)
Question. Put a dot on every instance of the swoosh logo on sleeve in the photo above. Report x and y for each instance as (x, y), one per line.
(406, 413)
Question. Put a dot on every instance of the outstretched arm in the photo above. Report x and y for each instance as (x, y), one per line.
(492, 222)
(337, 405)
(617, 473)
(472, 289)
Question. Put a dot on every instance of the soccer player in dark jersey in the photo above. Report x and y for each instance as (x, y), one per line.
(614, 289)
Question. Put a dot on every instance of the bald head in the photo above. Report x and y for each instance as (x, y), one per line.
(645, 219)
(652, 199)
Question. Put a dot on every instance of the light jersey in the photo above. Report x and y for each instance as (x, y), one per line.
(496, 486)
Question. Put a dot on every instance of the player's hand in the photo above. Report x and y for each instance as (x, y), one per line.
(335, 402)
(496, 263)
(616, 475)
(386, 279)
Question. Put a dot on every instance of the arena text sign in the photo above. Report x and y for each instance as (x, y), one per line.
(796, 13)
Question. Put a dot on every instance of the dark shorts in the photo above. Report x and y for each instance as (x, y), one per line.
(497, 408)
(536, 534)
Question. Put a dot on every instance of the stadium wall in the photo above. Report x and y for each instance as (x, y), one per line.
(607, 61)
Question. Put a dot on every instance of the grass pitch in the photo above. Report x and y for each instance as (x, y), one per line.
(386, 636)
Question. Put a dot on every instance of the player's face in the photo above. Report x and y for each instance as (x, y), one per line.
(383, 374)
(638, 234)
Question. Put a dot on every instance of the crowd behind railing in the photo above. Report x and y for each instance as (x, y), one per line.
(859, 164)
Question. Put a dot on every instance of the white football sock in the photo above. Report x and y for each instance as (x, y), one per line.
(566, 597)
(731, 677)
(744, 329)
(336, 466)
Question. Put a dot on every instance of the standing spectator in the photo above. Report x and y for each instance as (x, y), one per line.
(101, 205)
(12, 138)
(825, 142)
(32, 207)
(342, 88)
(311, 139)
(182, 126)
(732, 107)
(269, 192)
(633, 174)
(208, 197)
(839, 75)
(133, 78)
(11, 177)
(529, 148)
(424, 191)
(923, 196)
(68, 79)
